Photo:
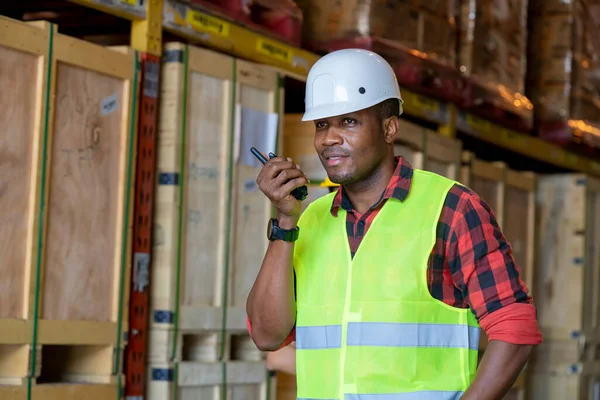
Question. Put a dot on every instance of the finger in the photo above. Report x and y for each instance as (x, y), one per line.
(274, 169)
(293, 184)
(275, 159)
(266, 169)
(286, 175)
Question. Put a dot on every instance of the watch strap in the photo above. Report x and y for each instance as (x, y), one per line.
(278, 233)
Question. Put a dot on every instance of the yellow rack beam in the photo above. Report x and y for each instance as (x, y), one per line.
(219, 34)
(523, 144)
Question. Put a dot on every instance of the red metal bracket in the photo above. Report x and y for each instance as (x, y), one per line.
(135, 360)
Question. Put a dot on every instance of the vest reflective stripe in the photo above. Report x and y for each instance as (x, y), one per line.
(412, 335)
(388, 334)
(421, 395)
(367, 326)
(319, 337)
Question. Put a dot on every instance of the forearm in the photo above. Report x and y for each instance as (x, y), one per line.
(499, 369)
(271, 306)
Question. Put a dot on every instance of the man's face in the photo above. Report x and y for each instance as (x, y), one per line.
(350, 146)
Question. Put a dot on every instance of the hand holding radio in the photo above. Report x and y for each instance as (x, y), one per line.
(282, 182)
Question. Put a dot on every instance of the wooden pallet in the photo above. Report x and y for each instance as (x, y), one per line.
(428, 150)
(66, 226)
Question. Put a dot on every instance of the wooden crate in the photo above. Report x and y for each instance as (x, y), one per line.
(72, 130)
(428, 150)
(568, 260)
(205, 258)
(567, 274)
(192, 199)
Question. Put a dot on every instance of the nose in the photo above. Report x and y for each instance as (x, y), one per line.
(331, 137)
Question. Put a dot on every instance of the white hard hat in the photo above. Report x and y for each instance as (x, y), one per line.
(348, 80)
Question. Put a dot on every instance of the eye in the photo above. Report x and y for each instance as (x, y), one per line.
(347, 121)
(320, 124)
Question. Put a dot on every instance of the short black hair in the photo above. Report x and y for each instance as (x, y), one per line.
(388, 108)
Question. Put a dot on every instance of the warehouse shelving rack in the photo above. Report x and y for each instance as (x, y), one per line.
(150, 19)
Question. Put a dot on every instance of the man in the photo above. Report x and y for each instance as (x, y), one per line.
(385, 283)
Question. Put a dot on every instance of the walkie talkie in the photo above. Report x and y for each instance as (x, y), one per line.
(300, 193)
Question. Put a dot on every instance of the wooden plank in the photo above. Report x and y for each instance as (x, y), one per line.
(194, 141)
(567, 273)
(62, 392)
(87, 172)
(24, 52)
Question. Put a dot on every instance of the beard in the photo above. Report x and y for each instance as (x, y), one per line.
(343, 178)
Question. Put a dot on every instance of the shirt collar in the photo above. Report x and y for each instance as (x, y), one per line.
(397, 188)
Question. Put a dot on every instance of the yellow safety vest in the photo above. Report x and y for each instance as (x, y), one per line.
(368, 328)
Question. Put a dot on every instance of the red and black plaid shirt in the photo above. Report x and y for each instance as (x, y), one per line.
(471, 264)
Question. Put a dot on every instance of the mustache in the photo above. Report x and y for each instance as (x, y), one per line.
(334, 151)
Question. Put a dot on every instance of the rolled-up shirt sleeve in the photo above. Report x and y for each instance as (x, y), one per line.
(483, 269)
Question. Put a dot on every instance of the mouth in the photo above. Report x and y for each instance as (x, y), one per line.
(335, 159)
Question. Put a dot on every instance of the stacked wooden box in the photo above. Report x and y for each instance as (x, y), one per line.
(428, 27)
(492, 53)
(511, 196)
(210, 218)
(566, 290)
(68, 137)
(563, 70)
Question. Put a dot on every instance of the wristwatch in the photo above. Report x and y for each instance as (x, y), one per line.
(274, 232)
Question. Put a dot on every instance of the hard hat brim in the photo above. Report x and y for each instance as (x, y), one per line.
(337, 109)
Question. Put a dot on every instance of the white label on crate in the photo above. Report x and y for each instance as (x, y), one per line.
(109, 104)
(250, 185)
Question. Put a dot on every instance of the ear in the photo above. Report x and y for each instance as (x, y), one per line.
(391, 127)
